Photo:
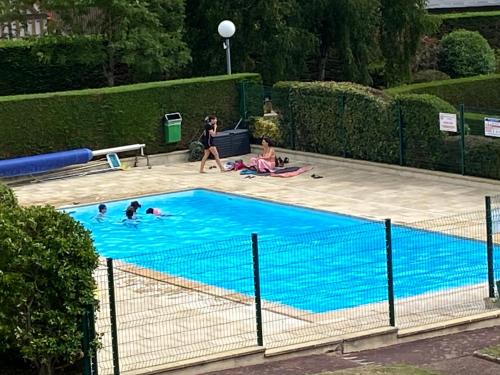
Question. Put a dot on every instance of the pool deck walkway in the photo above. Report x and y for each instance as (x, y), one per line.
(350, 187)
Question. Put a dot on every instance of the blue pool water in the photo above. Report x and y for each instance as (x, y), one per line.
(309, 259)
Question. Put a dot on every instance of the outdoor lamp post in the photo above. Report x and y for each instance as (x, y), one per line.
(226, 30)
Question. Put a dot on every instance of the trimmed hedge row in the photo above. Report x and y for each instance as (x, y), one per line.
(22, 72)
(476, 92)
(354, 121)
(115, 116)
(487, 23)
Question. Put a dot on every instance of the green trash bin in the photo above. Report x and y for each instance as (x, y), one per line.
(172, 127)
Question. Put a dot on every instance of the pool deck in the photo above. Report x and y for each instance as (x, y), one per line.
(350, 187)
(356, 188)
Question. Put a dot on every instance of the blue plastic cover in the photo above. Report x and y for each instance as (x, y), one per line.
(28, 165)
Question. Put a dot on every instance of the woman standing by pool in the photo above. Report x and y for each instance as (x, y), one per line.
(265, 162)
(208, 143)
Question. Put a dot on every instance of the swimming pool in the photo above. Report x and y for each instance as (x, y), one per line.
(310, 260)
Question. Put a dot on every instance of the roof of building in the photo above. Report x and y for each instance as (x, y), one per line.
(451, 4)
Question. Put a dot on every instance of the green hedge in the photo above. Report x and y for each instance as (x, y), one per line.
(7, 197)
(337, 119)
(108, 117)
(353, 121)
(423, 141)
(22, 71)
(475, 92)
(487, 23)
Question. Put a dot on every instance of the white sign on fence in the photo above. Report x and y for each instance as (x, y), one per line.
(492, 127)
(448, 122)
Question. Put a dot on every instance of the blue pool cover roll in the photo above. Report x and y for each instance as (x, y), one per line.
(42, 163)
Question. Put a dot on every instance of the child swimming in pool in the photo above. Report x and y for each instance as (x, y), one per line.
(156, 212)
(101, 216)
(131, 220)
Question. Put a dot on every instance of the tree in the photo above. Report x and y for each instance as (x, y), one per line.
(146, 36)
(403, 24)
(346, 31)
(269, 37)
(45, 283)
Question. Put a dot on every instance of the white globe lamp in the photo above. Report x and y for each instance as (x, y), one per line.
(226, 30)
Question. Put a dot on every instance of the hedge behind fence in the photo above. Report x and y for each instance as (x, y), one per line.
(23, 72)
(476, 92)
(354, 121)
(108, 117)
(487, 23)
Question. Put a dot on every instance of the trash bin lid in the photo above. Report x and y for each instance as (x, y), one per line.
(176, 116)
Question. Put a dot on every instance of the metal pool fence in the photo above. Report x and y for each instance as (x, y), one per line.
(158, 310)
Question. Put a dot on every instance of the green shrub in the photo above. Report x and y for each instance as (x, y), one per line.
(478, 92)
(261, 126)
(115, 116)
(497, 57)
(337, 119)
(423, 141)
(429, 76)
(482, 155)
(46, 281)
(465, 54)
(24, 70)
(7, 197)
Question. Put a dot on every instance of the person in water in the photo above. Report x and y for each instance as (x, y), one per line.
(134, 206)
(156, 212)
(101, 216)
(130, 220)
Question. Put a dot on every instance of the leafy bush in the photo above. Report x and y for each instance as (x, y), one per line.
(115, 116)
(478, 92)
(429, 76)
(497, 57)
(26, 67)
(7, 197)
(46, 282)
(466, 53)
(260, 126)
(427, 55)
(337, 119)
(423, 141)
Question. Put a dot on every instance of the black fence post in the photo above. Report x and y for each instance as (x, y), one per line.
(489, 249)
(92, 333)
(243, 101)
(87, 366)
(462, 139)
(401, 130)
(112, 313)
(256, 281)
(292, 122)
(342, 125)
(390, 280)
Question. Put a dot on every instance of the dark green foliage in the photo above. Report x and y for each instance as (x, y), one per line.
(196, 151)
(465, 54)
(403, 23)
(109, 117)
(45, 283)
(482, 155)
(423, 141)
(25, 69)
(487, 23)
(429, 76)
(478, 92)
(337, 119)
(7, 197)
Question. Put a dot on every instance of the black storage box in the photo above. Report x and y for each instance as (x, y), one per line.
(232, 142)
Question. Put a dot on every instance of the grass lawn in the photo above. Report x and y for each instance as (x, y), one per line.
(493, 351)
(382, 370)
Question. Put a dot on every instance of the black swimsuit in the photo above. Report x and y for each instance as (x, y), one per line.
(207, 139)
